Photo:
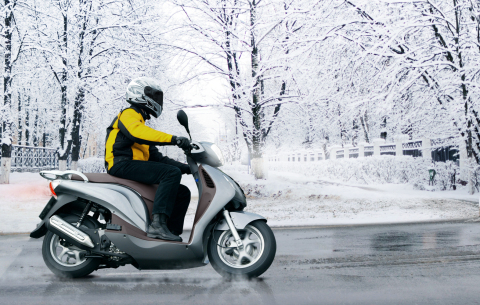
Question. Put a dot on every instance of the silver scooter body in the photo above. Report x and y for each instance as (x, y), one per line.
(182, 255)
(130, 213)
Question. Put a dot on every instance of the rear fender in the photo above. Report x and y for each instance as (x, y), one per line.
(64, 202)
(240, 219)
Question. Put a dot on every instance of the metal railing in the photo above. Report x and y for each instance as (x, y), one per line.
(34, 159)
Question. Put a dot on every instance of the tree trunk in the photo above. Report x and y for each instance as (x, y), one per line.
(74, 166)
(80, 98)
(77, 118)
(27, 122)
(5, 166)
(62, 165)
(20, 127)
(326, 153)
(257, 110)
(466, 100)
(364, 124)
(236, 146)
(64, 145)
(35, 129)
(7, 94)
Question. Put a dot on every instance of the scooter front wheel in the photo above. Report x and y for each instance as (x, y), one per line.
(252, 259)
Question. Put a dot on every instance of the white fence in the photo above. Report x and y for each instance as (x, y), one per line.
(434, 149)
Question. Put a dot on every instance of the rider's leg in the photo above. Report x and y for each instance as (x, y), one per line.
(168, 177)
(175, 222)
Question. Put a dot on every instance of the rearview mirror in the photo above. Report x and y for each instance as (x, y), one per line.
(183, 120)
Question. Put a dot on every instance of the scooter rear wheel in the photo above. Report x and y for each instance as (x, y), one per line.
(256, 256)
(64, 259)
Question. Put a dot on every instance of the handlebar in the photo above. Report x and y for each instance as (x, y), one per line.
(188, 150)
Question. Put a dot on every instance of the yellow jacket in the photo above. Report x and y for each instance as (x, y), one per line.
(128, 138)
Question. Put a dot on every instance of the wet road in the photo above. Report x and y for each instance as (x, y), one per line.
(436, 263)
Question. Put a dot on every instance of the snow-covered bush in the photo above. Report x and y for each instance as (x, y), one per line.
(92, 165)
(375, 170)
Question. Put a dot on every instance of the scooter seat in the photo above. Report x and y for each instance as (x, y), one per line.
(147, 191)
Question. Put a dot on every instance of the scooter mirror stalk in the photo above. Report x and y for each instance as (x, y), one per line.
(183, 120)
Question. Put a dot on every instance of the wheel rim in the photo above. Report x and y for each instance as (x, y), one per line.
(253, 246)
(70, 256)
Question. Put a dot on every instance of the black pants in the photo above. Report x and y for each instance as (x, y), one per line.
(171, 198)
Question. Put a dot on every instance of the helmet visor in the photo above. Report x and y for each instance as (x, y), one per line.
(154, 94)
(154, 100)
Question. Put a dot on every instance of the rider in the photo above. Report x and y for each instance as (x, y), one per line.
(130, 153)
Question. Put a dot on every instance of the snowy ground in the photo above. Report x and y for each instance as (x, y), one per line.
(21, 202)
(290, 199)
(285, 199)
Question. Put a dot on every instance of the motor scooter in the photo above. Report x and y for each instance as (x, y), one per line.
(96, 221)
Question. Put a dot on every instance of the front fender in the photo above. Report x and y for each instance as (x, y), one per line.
(240, 219)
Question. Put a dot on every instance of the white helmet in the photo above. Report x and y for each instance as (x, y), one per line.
(145, 92)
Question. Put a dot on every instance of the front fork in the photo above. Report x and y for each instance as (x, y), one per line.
(226, 214)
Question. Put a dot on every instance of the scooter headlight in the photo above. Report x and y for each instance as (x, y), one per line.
(218, 152)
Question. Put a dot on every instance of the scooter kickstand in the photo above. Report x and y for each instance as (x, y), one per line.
(233, 229)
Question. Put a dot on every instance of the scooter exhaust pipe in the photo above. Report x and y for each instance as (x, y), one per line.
(71, 234)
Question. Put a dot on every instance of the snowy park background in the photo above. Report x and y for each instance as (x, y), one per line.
(272, 82)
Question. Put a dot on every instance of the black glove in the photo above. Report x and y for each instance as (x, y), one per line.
(182, 142)
(186, 169)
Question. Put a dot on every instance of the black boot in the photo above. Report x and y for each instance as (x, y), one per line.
(158, 228)
(177, 234)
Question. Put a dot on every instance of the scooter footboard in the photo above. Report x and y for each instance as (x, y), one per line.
(240, 220)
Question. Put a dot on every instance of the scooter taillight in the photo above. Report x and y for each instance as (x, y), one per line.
(52, 190)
